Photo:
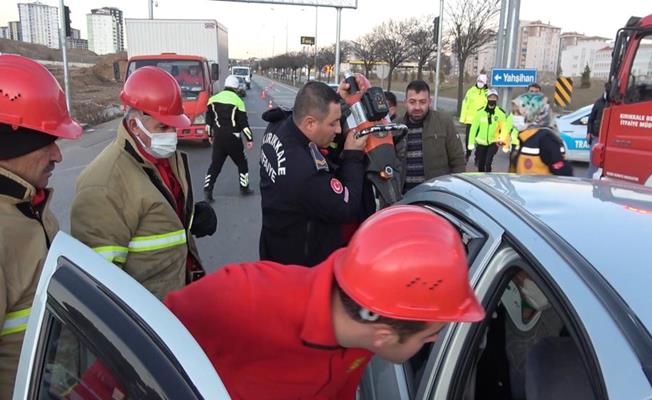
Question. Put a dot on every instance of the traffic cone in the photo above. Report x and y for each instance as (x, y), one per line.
(270, 106)
(263, 94)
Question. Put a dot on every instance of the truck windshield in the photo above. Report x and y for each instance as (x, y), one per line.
(188, 73)
(241, 71)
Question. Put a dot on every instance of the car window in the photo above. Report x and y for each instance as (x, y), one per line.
(71, 370)
(524, 348)
(639, 86)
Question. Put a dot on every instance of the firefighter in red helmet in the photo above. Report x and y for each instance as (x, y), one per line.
(134, 203)
(274, 332)
(33, 115)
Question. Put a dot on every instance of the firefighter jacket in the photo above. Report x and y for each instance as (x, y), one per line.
(25, 235)
(485, 126)
(226, 115)
(123, 210)
(542, 153)
(474, 100)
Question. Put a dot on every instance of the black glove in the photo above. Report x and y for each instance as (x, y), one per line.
(204, 222)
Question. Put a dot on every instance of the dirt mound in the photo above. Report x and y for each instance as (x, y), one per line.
(104, 68)
(40, 52)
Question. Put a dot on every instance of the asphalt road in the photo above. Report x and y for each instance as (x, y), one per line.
(239, 218)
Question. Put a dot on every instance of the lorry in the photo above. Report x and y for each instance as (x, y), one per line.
(625, 148)
(242, 72)
(194, 51)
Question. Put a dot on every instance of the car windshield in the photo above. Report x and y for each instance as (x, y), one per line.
(240, 71)
(188, 74)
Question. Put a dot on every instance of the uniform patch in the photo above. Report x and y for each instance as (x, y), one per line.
(337, 186)
(557, 165)
(320, 161)
(528, 164)
(356, 364)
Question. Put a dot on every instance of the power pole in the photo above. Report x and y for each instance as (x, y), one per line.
(64, 52)
(438, 65)
(151, 8)
(337, 44)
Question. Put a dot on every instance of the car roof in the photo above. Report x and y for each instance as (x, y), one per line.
(580, 112)
(608, 222)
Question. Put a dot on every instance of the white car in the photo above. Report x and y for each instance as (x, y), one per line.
(572, 128)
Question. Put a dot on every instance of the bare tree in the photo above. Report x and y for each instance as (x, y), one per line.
(472, 25)
(392, 45)
(421, 39)
(366, 48)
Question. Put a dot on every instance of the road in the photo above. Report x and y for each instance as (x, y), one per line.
(239, 217)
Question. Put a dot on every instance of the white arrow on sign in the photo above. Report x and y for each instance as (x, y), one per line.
(497, 77)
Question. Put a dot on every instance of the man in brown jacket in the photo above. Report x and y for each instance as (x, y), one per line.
(33, 115)
(431, 147)
(134, 203)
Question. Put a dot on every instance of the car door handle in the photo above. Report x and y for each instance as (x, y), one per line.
(622, 142)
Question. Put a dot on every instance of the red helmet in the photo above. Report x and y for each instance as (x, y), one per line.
(406, 262)
(156, 93)
(30, 97)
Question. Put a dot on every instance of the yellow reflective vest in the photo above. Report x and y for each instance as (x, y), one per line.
(474, 100)
(509, 134)
(485, 128)
(25, 235)
(123, 210)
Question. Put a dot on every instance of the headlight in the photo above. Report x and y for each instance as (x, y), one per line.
(200, 120)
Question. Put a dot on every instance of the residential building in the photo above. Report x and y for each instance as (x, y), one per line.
(105, 30)
(14, 31)
(575, 58)
(602, 63)
(74, 41)
(538, 46)
(483, 60)
(4, 32)
(39, 23)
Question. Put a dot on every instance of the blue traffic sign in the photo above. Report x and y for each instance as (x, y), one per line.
(502, 77)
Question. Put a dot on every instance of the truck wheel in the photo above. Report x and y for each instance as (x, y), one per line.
(248, 86)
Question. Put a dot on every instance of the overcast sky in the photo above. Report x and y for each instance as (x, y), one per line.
(258, 30)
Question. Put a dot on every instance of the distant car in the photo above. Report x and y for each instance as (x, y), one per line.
(572, 128)
(242, 87)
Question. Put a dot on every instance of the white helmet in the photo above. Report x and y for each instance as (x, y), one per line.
(232, 82)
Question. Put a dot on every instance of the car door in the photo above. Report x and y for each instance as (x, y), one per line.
(384, 380)
(95, 333)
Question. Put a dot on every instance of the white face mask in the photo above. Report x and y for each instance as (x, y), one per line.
(480, 84)
(518, 121)
(163, 144)
(534, 296)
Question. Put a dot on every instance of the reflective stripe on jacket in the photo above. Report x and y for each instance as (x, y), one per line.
(25, 235)
(474, 100)
(123, 210)
(529, 157)
(485, 126)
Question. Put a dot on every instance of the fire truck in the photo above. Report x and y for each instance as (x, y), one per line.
(625, 148)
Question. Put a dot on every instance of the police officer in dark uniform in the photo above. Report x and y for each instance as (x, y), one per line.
(306, 200)
(226, 119)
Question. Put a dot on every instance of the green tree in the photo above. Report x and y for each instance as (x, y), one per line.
(586, 78)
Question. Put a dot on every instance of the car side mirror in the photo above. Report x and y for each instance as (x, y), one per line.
(215, 72)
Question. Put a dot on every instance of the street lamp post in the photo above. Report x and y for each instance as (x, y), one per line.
(64, 52)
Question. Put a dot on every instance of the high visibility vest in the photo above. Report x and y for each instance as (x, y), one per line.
(529, 157)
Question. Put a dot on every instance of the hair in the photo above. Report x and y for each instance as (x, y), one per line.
(313, 99)
(404, 328)
(534, 85)
(418, 86)
(391, 98)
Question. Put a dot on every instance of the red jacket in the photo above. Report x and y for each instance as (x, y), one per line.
(268, 331)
